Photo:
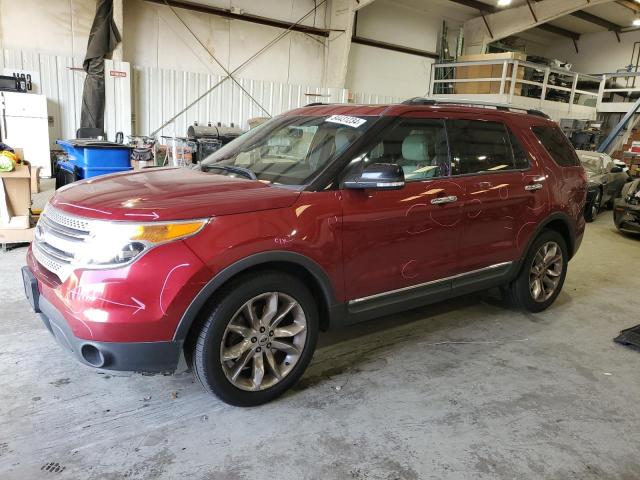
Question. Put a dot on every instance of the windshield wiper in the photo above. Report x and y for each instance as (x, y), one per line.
(231, 168)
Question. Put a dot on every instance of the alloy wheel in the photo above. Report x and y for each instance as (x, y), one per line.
(545, 272)
(263, 341)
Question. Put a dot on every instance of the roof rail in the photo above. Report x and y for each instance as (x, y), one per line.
(419, 101)
(315, 104)
(476, 103)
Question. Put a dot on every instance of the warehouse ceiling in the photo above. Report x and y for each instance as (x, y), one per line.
(618, 13)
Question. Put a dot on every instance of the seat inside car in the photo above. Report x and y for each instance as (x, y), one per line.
(417, 162)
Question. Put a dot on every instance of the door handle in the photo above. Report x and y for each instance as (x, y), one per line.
(442, 200)
(533, 187)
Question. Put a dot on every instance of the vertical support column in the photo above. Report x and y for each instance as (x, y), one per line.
(572, 97)
(545, 82)
(503, 79)
(339, 42)
(118, 17)
(432, 80)
(514, 77)
(603, 84)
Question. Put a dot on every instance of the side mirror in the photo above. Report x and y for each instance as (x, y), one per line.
(377, 176)
(616, 169)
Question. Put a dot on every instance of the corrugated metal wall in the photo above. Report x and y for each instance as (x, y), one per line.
(159, 94)
(155, 95)
(61, 79)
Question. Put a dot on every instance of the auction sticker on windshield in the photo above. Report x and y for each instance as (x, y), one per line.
(354, 122)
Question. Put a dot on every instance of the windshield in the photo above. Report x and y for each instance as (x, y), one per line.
(288, 150)
(591, 164)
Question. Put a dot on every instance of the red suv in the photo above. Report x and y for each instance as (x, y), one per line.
(324, 216)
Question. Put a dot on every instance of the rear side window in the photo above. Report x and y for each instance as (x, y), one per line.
(520, 156)
(557, 145)
(479, 146)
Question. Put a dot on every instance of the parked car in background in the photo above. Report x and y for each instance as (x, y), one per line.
(626, 211)
(605, 181)
(324, 216)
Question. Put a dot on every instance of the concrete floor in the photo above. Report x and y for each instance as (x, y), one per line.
(463, 389)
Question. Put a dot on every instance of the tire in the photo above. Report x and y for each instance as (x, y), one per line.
(609, 204)
(520, 293)
(592, 210)
(262, 362)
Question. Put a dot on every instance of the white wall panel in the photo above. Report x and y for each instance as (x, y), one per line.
(160, 94)
(55, 77)
(61, 80)
(117, 112)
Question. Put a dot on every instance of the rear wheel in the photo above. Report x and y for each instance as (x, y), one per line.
(257, 340)
(592, 210)
(542, 275)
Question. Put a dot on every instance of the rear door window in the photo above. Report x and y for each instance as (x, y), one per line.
(557, 145)
(481, 146)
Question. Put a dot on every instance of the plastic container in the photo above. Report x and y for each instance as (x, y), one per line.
(65, 173)
(89, 172)
(96, 157)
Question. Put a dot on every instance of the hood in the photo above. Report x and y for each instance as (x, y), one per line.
(592, 176)
(169, 194)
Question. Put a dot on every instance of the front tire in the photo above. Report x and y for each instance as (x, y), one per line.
(542, 274)
(257, 340)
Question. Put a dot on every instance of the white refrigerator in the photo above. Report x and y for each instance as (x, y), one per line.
(24, 125)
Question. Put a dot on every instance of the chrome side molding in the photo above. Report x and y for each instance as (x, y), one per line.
(432, 282)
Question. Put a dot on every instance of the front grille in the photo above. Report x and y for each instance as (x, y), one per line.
(58, 237)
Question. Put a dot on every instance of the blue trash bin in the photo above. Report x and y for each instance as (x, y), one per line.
(96, 157)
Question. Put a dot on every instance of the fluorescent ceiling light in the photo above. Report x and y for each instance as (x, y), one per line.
(504, 3)
(636, 22)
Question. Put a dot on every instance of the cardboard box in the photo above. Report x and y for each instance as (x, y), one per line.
(487, 71)
(35, 179)
(24, 235)
(17, 190)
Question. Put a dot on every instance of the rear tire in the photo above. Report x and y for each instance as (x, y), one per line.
(592, 209)
(609, 204)
(257, 339)
(541, 275)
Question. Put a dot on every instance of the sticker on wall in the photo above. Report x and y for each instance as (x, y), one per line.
(354, 122)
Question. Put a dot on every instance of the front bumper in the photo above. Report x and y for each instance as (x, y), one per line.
(150, 357)
(627, 220)
(626, 217)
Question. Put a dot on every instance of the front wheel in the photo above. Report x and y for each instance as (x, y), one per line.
(542, 275)
(257, 340)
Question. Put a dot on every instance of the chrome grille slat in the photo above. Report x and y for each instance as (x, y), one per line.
(70, 233)
(47, 262)
(58, 237)
(55, 253)
(67, 220)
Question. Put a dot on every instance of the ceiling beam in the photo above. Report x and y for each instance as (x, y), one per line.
(547, 27)
(393, 47)
(483, 7)
(630, 5)
(588, 17)
(477, 5)
(245, 17)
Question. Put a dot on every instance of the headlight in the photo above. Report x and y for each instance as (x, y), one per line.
(111, 244)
